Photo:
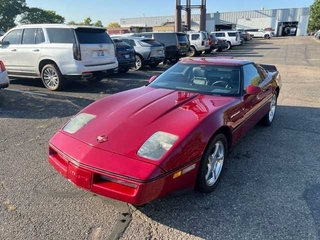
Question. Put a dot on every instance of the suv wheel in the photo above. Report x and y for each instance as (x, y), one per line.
(192, 52)
(229, 46)
(52, 77)
(267, 36)
(139, 63)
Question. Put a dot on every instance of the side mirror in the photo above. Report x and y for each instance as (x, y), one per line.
(4, 42)
(152, 79)
(253, 90)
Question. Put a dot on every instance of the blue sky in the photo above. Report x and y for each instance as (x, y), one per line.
(111, 11)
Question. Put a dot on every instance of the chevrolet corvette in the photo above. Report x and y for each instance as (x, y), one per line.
(170, 135)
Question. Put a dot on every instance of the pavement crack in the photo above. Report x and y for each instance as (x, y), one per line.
(124, 219)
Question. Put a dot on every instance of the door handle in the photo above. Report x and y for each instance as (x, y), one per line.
(13, 50)
(35, 50)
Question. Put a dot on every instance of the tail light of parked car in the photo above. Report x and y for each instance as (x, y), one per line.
(76, 52)
(2, 67)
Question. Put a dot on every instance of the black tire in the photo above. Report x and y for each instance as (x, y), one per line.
(267, 120)
(267, 36)
(219, 50)
(173, 61)
(95, 79)
(229, 46)
(205, 183)
(208, 51)
(192, 52)
(123, 70)
(153, 65)
(52, 78)
(139, 63)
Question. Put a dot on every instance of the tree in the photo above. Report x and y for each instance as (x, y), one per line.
(87, 22)
(72, 23)
(314, 20)
(38, 15)
(113, 25)
(98, 24)
(9, 10)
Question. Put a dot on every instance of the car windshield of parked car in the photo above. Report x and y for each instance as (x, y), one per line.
(205, 79)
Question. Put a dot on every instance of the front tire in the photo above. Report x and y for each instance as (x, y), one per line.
(212, 164)
(192, 52)
(52, 77)
(269, 117)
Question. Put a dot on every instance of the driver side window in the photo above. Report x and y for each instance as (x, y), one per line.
(13, 37)
(251, 76)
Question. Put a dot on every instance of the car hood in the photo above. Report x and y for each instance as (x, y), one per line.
(122, 122)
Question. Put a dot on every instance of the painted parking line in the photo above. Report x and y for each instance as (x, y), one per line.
(32, 93)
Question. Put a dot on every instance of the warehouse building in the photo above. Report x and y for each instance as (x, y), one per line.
(289, 21)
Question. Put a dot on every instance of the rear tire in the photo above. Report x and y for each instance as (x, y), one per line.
(212, 164)
(52, 78)
(267, 36)
(229, 46)
(139, 63)
(192, 52)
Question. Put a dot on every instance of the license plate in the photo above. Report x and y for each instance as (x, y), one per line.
(100, 54)
(79, 176)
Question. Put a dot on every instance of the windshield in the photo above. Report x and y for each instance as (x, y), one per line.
(206, 79)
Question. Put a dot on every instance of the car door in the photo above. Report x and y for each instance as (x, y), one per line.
(30, 50)
(8, 51)
(253, 104)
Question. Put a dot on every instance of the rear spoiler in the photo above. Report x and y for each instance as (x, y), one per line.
(269, 68)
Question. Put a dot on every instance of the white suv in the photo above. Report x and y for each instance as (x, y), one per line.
(232, 37)
(56, 52)
(199, 42)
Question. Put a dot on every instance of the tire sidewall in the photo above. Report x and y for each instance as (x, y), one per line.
(201, 184)
(267, 121)
(61, 82)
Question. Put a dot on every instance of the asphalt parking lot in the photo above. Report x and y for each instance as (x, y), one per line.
(270, 189)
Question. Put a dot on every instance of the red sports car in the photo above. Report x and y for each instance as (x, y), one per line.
(173, 134)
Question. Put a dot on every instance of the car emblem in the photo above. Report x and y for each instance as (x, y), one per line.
(102, 139)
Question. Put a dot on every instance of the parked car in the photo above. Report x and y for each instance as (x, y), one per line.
(245, 36)
(177, 130)
(4, 79)
(216, 43)
(125, 55)
(260, 33)
(57, 52)
(232, 37)
(317, 34)
(176, 44)
(199, 42)
(147, 51)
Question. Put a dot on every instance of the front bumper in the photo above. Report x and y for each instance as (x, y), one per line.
(112, 175)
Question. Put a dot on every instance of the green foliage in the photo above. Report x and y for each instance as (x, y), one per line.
(314, 20)
(87, 22)
(38, 15)
(113, 25)
(9, 10)
(98, 24)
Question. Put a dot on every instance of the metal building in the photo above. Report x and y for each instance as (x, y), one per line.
(288, 21)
